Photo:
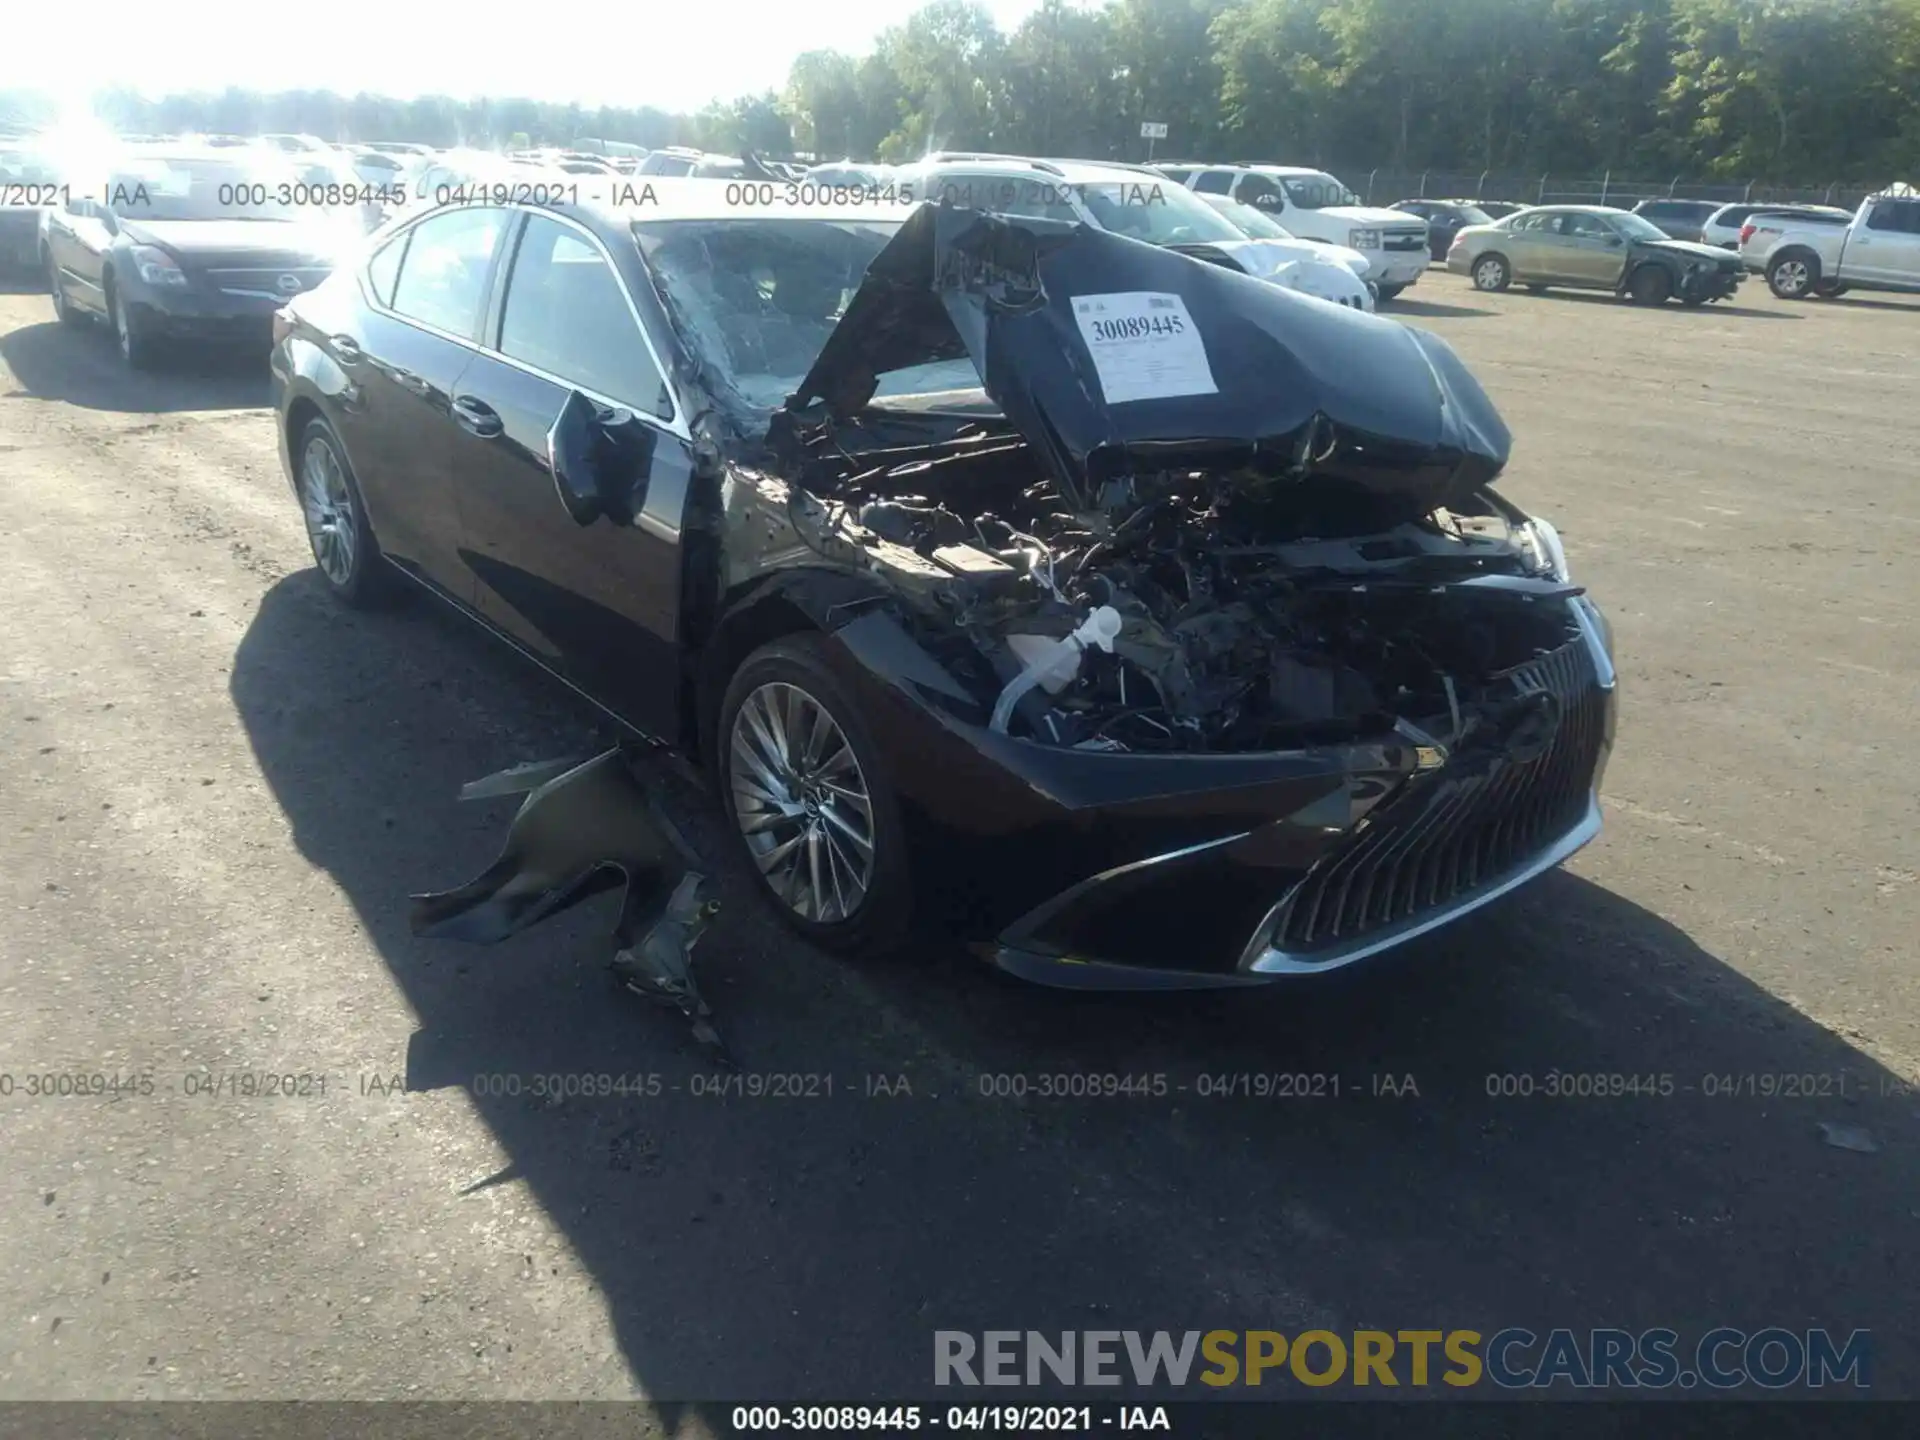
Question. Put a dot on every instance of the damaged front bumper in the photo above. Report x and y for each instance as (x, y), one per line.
(1408, 841)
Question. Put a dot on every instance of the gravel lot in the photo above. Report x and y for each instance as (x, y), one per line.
(219, 790)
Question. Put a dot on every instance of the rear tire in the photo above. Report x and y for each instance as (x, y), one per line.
(1492, 273)
(1650, 285)
(344, 549)
(785, 801)
(1386, 293)
(1794, 275)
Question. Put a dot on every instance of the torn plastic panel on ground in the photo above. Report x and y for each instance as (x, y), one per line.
(587, 827)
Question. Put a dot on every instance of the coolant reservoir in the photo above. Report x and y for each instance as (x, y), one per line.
(1054, 661)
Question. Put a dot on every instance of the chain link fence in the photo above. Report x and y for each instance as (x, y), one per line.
(1383, 187)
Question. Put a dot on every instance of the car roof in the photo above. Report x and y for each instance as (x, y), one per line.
(640, 199)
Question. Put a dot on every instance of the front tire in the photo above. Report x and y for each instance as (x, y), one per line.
(1385, 294)
(1650, 285)
(1794, 275)
(815, 811)
(344, 550)
(1492, 273)
(137, 345)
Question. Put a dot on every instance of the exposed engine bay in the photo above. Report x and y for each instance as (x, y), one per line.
(1207, 611)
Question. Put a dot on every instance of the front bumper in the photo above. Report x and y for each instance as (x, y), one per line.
(198, 314)
(1711, 284)
(1396, 267)
(1160, 872)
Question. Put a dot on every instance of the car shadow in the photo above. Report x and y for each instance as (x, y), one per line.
(1567, 296)
(81, 366)
(1909, 304)
(1434, 308)
(1384, 1147)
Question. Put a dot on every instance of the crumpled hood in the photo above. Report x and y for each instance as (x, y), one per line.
(1253, 376)
(1263, 257)
(1373, 215)
(1693, 250)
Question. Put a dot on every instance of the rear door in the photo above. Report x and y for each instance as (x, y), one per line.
(599, 604)
(420, 333)
(1528, 244)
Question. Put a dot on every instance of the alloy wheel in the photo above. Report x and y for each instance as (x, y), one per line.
(1790, 277)
(327, 503)
(802, 803)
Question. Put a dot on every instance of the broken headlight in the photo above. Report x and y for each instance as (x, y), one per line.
(1544, 552)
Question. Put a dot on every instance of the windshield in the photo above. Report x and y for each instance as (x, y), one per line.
(755, 299)
(203, 190)
(1637, 227)
(1256, 224)
(1317, 191)
(1474, 215)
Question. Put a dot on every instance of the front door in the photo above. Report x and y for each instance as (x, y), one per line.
(1886, 250)
(599, 603)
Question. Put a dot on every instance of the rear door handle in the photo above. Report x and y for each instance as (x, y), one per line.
(346, 349)
(477, 417)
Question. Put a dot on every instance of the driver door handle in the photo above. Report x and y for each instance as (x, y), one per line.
(477, 417)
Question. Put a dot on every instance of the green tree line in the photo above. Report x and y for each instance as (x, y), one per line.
(1779, 89)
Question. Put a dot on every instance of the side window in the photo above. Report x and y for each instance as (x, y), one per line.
(1214, 182)
(1180, 176)
(1885, 215)
(567, 315)
(384, 268)
(1532, 222)
(1588, 227)
(1262, 191)
(444, 280)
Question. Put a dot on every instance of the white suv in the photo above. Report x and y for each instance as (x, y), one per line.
(1132, 201)
(1316, 206)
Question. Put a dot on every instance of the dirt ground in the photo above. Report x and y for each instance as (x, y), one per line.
(218, 790)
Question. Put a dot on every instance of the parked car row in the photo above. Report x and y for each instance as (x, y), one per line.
(1802, 251)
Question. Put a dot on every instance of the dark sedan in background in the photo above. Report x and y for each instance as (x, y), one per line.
(30, 182)
(1445, 219)
(1149, 624)
(1677, 219)
(190, 246)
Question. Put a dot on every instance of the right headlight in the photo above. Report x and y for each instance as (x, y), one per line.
(1364, 239)
(157, 267)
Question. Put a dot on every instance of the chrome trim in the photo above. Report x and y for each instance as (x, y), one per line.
(1262, 959)
(674, 425)
(1023, 928)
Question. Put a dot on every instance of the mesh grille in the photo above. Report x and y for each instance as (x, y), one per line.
(1465, 831)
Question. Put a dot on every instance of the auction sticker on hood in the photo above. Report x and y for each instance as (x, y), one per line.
(1145, 346)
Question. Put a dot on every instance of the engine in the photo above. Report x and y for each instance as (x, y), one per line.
(1203, 611)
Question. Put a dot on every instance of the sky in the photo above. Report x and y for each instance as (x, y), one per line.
(675, 55)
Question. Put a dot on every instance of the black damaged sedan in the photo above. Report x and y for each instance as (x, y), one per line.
(1145, 624)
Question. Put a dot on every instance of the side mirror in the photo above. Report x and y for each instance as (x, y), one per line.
(601, 459)
(108, 219)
